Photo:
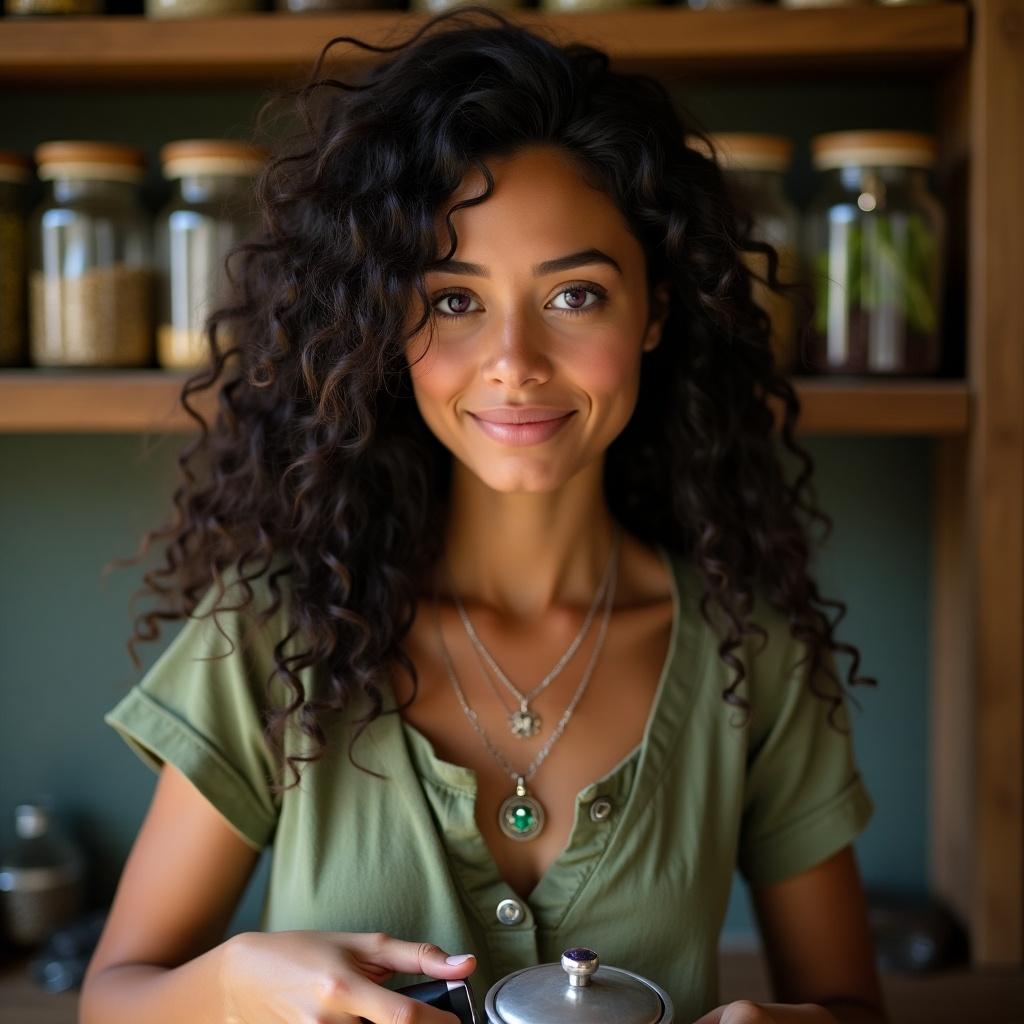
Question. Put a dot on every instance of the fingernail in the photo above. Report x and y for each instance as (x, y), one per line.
(454, 961)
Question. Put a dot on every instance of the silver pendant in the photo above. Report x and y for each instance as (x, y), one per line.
(524, 723)
(521, 816)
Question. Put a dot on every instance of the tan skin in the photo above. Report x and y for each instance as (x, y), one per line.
(538, 506)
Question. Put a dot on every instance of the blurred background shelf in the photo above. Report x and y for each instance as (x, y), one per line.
(663, 39)
(120, 401)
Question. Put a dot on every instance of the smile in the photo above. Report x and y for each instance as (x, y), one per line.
(522, 433)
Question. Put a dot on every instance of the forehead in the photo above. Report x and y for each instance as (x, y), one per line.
(541, 202)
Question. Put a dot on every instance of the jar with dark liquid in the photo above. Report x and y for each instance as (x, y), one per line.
(874, 244)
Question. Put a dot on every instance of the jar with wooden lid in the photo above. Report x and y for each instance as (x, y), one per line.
(874, 246)
(755, 167)
(90, 276)
(210, 210)
(15, 175)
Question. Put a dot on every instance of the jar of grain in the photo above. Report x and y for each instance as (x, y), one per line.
(874, 244)
(755, 167)
(210, 210)
(15, 174)
(90, 276)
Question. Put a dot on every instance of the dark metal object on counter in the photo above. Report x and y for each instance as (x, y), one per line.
(915, 935)
(41, 877)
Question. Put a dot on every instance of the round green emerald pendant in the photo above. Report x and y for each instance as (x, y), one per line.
(521, 816)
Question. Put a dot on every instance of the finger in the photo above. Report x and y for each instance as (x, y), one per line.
(713, 1017)
(355, 996)
(384, 950)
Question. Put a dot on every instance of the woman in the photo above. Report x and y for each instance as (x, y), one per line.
(506, 573)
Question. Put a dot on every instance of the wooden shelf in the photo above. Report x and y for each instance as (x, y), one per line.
(660, 39)
(124, 401)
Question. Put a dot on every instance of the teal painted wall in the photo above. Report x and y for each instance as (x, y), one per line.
(72, 503)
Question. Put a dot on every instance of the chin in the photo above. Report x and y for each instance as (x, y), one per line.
(521, 479)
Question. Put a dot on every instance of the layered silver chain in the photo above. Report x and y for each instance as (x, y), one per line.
(564, 721)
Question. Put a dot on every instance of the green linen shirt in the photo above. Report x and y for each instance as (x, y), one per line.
(644, 878)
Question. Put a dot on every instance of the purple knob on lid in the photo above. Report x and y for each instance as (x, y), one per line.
(579, 963)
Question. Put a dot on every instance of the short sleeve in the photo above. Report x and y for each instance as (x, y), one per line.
(203, 713)
(804, 798)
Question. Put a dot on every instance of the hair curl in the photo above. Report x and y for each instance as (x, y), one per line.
(317, 453)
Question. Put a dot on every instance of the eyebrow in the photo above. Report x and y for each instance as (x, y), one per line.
(575, 259)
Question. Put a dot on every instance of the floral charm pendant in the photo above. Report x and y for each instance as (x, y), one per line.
(524, 723)
(521, 816)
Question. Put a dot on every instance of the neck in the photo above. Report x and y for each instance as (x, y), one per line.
(526, 554)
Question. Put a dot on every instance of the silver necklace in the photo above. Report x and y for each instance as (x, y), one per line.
(523, 722)
(521, 815)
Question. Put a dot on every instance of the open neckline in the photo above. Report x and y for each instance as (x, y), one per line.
(464, 779)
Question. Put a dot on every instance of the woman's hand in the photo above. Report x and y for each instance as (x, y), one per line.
(746, 1012)
(312, 977)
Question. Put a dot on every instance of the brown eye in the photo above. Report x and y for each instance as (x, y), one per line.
(452, 300)
(578, 304)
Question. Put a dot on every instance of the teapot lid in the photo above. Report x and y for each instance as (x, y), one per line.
(578, 989)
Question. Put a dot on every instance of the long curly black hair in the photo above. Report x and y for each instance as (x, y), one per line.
(317, 459)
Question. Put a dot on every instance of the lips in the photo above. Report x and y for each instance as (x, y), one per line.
(532, 426)
(521, 414)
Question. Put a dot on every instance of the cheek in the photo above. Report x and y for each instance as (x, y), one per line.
(436, 377)
(609, 373)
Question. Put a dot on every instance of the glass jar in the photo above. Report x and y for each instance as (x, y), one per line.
(199, 8)
(15, 173)
(210, 210)
(874, 245)
(90, 272)
(755, 167)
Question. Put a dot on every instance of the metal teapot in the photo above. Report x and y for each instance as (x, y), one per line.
(577, 990)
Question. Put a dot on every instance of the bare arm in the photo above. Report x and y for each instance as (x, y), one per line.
(818, 940)
(161, 953)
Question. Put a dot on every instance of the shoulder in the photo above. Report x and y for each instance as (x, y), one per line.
(233, 639)
(776, 662)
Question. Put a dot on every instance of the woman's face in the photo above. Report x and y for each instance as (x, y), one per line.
(565, 340)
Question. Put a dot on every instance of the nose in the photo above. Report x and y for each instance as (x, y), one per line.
(517, 354)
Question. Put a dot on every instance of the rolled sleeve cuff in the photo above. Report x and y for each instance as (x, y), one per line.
(808, 840)
(157, 736)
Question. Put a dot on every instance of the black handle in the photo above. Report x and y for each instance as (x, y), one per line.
(453, 996)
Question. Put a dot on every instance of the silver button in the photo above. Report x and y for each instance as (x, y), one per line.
(600, 809)
(510, 912)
